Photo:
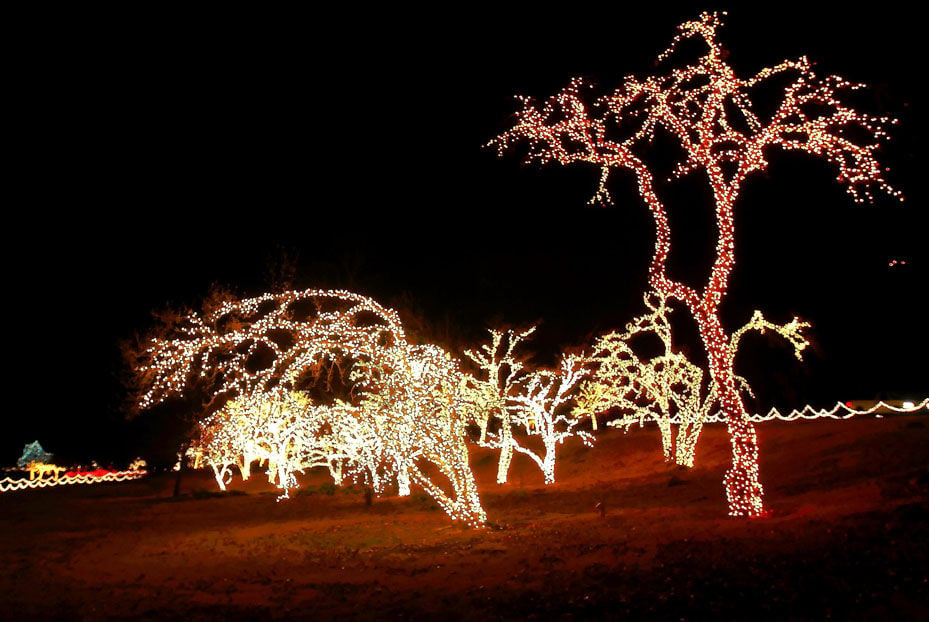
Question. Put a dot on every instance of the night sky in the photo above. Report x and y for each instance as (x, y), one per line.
(153, 155)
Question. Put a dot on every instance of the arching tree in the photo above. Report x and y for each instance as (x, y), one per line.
(406, 401)
(709, 113)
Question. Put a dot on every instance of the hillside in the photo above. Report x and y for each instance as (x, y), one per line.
(846, 539)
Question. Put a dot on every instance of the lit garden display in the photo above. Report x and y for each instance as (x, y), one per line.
(394, 412)
(641, 342)
(708, 111)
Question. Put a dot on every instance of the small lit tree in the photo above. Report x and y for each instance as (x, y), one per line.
(667, 388)
(487, 396)
(541, 408)
(708, 111)
(664, 388)
(216, 447)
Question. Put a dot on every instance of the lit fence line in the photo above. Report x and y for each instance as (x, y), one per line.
(8, 484)
(808, 413)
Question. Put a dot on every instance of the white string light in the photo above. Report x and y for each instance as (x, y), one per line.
(8, 484)
(808, 413)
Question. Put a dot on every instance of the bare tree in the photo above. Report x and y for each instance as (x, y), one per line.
(708, 111)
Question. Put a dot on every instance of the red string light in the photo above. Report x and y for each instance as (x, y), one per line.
(708, 110)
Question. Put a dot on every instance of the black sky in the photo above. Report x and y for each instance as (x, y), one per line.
(155, 154)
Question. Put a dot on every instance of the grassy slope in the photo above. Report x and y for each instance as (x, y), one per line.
(847, 538)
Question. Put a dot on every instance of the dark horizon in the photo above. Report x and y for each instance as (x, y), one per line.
(163, 156)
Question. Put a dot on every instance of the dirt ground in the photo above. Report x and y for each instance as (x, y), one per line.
(846, 539)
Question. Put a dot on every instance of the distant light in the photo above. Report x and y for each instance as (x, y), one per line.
(908, 405)
(849, 404)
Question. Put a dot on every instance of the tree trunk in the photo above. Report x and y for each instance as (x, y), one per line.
(177, 481)
(403, 480)
(667, 437)
(506, 452)
(548, 467)
(743, 488)
(219, 474)
(245, 466)
(687, 436)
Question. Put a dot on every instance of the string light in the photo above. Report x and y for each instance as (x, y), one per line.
(407, 400)
(8, 484)
(809, 413)
(708, 110)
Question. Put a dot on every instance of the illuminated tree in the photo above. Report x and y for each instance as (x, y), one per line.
(216, 448)
(540, 408)
(488, 396)
(283, 429)
(667, 388)
(406, 399)
(662, 388)
(708, 111)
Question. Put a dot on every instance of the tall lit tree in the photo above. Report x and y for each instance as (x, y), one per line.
(709, 112)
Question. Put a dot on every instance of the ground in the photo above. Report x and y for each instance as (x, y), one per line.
(846, 539)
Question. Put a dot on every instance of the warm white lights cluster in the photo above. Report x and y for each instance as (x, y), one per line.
(38, 470)
(666, 388)
(406, 405)
(540, 408)
(283, 429)
(707, 109)
(504, 397)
